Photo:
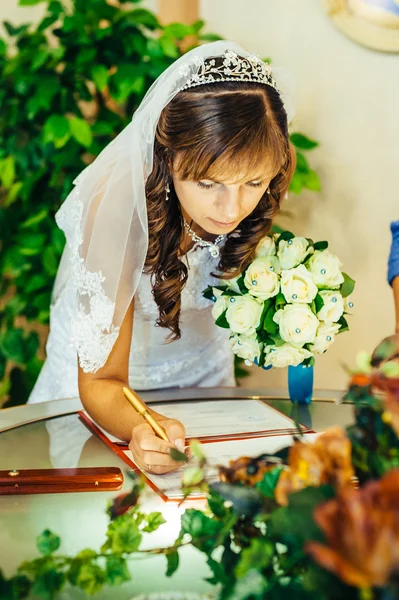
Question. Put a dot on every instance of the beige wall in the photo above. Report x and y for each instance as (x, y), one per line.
(348, 98)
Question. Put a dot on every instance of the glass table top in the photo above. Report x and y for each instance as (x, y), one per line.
(80, 518)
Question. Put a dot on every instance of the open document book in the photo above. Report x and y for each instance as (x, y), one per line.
(227, 429)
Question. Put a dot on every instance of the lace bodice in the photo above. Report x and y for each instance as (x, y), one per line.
(201, 357)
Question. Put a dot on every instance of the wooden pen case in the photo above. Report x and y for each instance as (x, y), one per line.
(60, 481)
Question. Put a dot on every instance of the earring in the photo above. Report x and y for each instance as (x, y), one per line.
(167, 190)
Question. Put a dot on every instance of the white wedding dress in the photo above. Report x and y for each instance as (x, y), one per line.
(202, 357)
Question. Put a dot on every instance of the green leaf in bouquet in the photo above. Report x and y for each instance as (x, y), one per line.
(208, 294)
(241, 285)
(230, 292)
(268, 324)
(266, 306)
(222, 321)
(344, 325)
(280, 301)
(285, 236)
(319, 302)
(277, 339)
(269, 482)
(302, 141)
(348, 286)
(172, 559)
(321, 245)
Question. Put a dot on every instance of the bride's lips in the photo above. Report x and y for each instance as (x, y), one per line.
(223, 225)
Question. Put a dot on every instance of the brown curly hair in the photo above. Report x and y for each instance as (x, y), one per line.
(217, 130)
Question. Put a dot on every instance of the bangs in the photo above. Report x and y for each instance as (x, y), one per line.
(255, 153)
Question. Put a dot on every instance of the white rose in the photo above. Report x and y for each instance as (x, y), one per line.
(325, 267)
(292, 252)
(325, 337)
(286, 355)
(297, 324)
(246, 347)
(333, 307)
(298, 286)
(243, 314)
(261, 277)
(266, 247)
(220, 305)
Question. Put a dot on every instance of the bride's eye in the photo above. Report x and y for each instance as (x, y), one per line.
(256, 184)
(205, 186)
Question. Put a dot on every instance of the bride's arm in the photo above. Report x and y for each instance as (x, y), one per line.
(102, 396)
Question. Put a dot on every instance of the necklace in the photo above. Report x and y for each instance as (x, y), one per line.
(212, 247)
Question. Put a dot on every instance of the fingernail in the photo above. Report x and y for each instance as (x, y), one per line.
(179, 443)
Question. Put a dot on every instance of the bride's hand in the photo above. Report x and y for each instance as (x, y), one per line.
(150, 452)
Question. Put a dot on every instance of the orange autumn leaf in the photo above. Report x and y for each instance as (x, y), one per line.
(327, 460)
(361, 528)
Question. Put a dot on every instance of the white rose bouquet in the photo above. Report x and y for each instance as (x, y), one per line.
(288, 305)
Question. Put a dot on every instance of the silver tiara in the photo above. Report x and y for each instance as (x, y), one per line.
(233, 68)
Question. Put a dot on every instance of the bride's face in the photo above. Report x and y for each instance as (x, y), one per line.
(219, 207)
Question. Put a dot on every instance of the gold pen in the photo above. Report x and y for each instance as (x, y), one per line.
(141, 408)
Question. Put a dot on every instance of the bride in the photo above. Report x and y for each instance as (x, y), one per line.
(175, 202)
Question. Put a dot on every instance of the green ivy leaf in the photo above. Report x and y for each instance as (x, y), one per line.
(202, 529)
(218, 572)
(29, 2)
(348, 285)
(258, 555)
(172, 559)
(303, 142)
(192, 476)
(178, 456)
(81, 131)
(216, 504)
(48, 584)
(269, 482)
(116, 571)
(15, 588)
(123, 535)
(47, 542)
(302, 165)
(196, 449)
(50, 261)
(253, 585)
(87, 576)
(154, 521)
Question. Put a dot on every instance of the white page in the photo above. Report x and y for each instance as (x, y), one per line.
(220, 417)
(220, 453)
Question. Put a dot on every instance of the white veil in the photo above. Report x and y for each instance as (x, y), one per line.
(105, 218)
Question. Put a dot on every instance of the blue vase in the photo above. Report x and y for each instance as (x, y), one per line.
(300, 384)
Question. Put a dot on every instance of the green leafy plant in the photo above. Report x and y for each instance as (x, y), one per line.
(289, 525)
(68, 85)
